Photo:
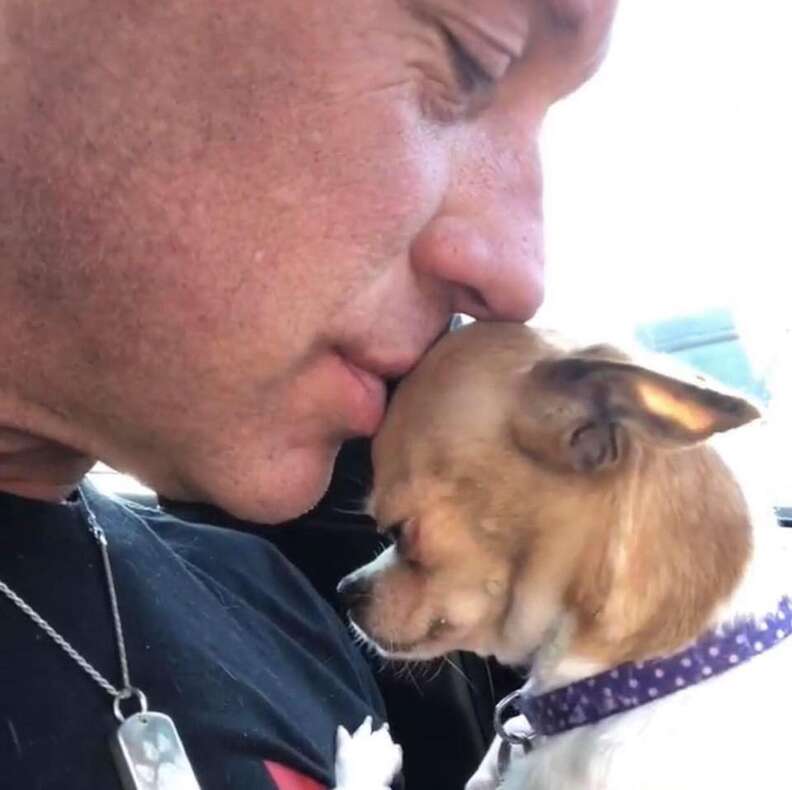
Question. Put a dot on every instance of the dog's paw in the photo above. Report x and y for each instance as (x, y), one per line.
(366, 760)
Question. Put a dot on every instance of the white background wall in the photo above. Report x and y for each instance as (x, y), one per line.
(669, 176)
(669, 185)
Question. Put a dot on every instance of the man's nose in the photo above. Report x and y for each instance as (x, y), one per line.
(486, 244)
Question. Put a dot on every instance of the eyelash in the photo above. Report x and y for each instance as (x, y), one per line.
(406, 551)
(469, 72)
(394, 532)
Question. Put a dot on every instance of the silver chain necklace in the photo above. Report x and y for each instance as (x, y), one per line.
(147, 749)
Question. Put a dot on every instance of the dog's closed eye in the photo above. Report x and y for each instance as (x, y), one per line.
(394, 532)
(403, 535)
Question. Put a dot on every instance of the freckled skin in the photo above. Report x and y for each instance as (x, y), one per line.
(201, 203)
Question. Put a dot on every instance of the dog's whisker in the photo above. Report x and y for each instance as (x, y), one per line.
(359, 506)
(412, 677)
(350, 511)
(459, 671)
(490, 681)
(438, 669)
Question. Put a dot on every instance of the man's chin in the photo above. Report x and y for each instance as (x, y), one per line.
(272, 493)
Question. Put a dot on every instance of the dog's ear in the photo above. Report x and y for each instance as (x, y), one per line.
(583, 408)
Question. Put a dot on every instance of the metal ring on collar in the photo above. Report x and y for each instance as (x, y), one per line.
(501, 709)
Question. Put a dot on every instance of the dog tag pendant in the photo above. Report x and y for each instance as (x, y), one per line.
(149, 754)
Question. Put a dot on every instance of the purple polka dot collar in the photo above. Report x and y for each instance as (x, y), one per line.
(637, 683)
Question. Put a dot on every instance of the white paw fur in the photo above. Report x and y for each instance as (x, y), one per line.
(367, 759)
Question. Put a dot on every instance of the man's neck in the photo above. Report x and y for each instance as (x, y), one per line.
(38, 468)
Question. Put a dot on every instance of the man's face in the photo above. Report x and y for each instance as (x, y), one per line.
(235, 209)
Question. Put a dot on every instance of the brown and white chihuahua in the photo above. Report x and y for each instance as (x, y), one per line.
(565, 508)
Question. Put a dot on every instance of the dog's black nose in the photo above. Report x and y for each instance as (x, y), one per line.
(353, 589)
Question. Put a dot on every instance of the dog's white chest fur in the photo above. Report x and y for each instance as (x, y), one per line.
(728, 733)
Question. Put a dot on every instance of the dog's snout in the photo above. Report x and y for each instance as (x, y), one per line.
(354, 589)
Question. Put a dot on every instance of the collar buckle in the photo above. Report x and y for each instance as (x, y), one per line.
(509, 705)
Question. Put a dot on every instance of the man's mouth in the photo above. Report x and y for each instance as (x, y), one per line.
(382, 367)
(370, 381)
(364, 397)
(366, 390)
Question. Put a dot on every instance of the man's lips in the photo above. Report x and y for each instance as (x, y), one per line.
(387, 369)
(370, 373)
(370, 381)
(365, 397)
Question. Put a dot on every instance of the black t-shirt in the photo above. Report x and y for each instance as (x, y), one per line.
(223, 635)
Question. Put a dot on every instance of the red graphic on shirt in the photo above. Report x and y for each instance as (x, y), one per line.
(288, 779)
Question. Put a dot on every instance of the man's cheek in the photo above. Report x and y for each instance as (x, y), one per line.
(391, 179)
